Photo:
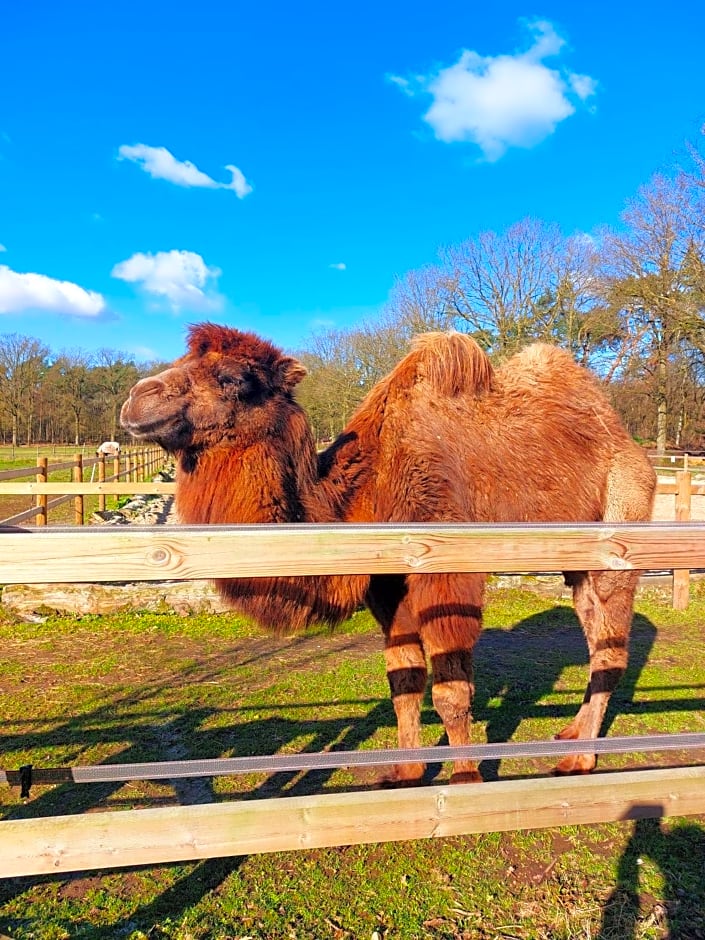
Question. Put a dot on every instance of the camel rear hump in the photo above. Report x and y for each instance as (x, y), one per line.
(451, 363)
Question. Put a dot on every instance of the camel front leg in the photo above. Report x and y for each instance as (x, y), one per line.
(406, 668)
(449, 611)
(407, 676)
(604, 605)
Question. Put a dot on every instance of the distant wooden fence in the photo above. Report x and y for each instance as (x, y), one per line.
(115, 476)
(683, 490)
(677, 461)
(180, 833)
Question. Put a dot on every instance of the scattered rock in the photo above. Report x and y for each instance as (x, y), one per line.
(110, 517)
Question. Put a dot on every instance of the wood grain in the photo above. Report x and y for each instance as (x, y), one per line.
(188, 552)
(182, 833)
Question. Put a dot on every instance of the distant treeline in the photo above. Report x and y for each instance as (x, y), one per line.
(67, 397)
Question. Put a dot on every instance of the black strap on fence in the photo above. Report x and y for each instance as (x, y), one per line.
(28, 775)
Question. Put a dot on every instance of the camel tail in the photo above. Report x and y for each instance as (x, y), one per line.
(452, 363)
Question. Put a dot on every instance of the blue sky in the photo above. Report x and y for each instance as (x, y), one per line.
(275, 166)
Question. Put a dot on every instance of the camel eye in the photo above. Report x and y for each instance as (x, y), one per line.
(226, 380)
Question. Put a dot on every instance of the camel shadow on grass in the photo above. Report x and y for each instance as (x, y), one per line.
(515, 668)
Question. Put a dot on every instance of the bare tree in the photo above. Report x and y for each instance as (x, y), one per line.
(343, 365)
(499, 283)
(647, 277)
(376, 348)
(73, 381)
(420, 302)
(114, 374)
(333, 386)
(23, 362)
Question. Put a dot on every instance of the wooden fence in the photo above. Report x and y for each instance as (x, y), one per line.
(128, 469)
(180, 833)
(131, 469)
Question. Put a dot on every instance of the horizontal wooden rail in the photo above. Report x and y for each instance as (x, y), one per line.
(672, 489)
(30, 513)
(157, 553)
(12, 473)
(185, 833)
(17, 472)
(88, 488)
(112, 487)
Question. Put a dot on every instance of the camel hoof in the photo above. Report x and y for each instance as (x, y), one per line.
(575, 764)
(402, 775)
(466, 776)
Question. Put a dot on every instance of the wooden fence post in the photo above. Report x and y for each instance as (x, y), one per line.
(101, 479)
(78, 500)
(42, 499)
(681, 576)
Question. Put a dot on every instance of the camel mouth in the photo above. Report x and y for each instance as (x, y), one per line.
(142, 432)
(170, 432)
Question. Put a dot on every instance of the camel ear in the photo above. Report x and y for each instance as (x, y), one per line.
(291, 371)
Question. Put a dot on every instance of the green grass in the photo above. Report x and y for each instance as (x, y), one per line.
(136, 687)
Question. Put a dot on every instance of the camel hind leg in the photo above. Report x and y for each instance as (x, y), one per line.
(604, 605)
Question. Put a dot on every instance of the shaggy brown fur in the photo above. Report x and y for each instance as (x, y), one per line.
(443, 438)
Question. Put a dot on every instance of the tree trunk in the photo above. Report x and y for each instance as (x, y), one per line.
(661, 401)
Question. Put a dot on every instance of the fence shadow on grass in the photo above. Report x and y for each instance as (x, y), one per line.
(147, 730)
(515, 670)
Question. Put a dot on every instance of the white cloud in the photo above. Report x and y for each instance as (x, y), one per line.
(583, 85)
(2, 248)
(339, 266)
(21, 292)
(502, 101)
(180, 277)
(238, 183)
(163, 165)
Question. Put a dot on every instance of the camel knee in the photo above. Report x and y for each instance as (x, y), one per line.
(407, 688)
(453, 702)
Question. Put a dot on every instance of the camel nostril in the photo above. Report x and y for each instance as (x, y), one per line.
(148, 386)
(141, 397)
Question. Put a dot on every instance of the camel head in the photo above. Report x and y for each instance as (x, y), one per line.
(226, 388)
